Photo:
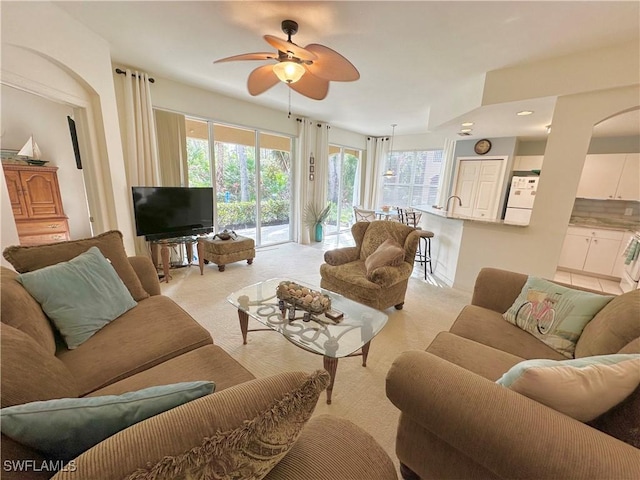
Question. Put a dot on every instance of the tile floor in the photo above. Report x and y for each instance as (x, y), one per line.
(593, 283)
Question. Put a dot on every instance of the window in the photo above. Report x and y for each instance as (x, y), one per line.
(343, 189)
(251, 176)
(416, 179)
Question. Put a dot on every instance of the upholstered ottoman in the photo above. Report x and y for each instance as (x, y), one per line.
(222, 252)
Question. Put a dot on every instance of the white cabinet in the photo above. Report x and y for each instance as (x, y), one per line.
(614, 176)
(478, 184)
(591, 250)
(528, 162)
(629, 185)
(574, 251)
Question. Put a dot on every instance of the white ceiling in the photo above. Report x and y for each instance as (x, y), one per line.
(408, 53)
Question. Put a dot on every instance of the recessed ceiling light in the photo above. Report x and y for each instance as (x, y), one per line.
(465, 130)
(467, 124)
(524, 112)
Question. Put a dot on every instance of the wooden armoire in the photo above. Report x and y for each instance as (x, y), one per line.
(36, 203)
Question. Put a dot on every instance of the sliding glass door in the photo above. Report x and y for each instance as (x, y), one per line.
(275, 188)
(251, 175)
(235, 171)
(343, 189)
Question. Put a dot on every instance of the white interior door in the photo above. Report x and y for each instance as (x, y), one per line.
(487, 192)
(466, 187)
(477, 184)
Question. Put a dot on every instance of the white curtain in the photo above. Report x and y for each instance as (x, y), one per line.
(377, 149)
(303, 193)
(172, 148)
(446, 179)
(313, 141)
(322, 165)
(139, 137)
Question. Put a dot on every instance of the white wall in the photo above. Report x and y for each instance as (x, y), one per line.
(196, 102)
(612, 67)
(25, 114)
(43, 29)
(535, 250)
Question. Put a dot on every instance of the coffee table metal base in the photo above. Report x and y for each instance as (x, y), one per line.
(330, 363)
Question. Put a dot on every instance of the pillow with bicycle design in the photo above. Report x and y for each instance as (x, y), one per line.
(554, 314)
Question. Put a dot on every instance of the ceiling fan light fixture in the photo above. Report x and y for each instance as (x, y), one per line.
(288, 71)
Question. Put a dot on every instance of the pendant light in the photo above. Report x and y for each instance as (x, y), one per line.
(389, 173)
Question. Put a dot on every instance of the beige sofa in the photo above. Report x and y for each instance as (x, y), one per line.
(158, 343)
(457, 423)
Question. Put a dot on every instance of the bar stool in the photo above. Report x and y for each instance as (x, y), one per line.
(423, 254)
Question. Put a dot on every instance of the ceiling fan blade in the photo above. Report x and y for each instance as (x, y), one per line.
(284, 46)
(261, 79)
(311, 86)
(330, 65)
(249, 56)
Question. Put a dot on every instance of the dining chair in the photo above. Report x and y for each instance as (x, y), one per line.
(362, 215)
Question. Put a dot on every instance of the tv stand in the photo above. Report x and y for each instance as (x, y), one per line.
(164, 245)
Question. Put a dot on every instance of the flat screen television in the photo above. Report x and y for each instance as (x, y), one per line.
(168, 212)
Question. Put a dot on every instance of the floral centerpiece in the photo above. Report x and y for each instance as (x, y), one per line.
(303, 297)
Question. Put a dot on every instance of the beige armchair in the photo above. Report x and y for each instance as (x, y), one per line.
(345, 271)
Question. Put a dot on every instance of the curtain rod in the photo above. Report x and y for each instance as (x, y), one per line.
(122, 72)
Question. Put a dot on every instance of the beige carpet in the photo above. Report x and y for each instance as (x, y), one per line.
(359, 392)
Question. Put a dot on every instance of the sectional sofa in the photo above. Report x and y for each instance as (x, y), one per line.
(456, 422)
(248, 428)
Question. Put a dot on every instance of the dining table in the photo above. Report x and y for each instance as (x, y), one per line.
(390, 214)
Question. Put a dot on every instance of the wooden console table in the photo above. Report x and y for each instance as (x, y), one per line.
(164, 245)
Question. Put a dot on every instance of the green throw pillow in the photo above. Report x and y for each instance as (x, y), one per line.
(582, 388)
(79, 296)
(556, 315)
(64, 428)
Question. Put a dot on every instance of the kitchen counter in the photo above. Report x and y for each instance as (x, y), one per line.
(606, 223)
(442, 213)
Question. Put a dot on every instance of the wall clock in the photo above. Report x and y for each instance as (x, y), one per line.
(482, 146)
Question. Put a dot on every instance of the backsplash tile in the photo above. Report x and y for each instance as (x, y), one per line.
(607, 209)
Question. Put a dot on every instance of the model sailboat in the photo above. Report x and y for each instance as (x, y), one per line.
(32, 152)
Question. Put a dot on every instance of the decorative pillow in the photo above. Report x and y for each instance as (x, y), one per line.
(389, 253)
(623, 420)
(252, 448)
(30, 258)
(64, 428)
(80, 296)
(556, 315)
(582, 388)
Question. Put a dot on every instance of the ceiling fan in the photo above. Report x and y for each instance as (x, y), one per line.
(306, 70)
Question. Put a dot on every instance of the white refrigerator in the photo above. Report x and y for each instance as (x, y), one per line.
(522, 194)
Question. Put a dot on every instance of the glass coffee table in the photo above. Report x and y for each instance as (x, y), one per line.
(348, 336)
